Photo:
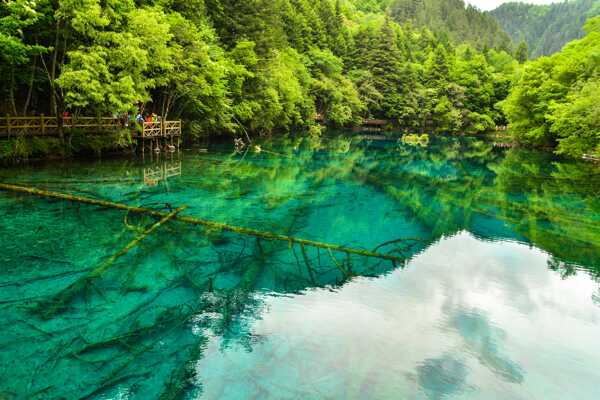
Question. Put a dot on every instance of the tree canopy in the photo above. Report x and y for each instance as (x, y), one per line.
(555, 101)
(261, 66)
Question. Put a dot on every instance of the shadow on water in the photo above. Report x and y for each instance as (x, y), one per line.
(137, 329)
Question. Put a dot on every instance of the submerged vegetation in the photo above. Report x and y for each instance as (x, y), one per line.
(142, 326)
(126, 278)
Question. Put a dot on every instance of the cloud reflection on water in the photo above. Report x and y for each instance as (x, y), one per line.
(465, 319)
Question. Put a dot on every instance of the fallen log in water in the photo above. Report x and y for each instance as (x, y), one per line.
(59, 300)
(198, 221)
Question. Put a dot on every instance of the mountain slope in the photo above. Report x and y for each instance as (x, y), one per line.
(461, 23)
(546, 28)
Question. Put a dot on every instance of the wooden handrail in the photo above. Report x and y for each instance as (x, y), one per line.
(161, 129)
(36, 125)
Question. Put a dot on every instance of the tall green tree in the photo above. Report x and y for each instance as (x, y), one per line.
(522, 53)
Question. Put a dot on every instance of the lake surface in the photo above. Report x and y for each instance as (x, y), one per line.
(495, 293)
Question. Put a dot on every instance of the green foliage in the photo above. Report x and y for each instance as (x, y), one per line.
(454, 20)
(99, 143)
(336, 97)
(21, 148)
(522, 53)
(425, 83)
(576, 122)
(16, 15)
(259, 66)
(116, 67)
(555, 101)
(546, 28)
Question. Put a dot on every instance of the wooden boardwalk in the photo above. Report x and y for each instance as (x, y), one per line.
(155, 133)
(49, 126)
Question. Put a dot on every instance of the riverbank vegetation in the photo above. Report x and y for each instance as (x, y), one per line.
(556, 100)
(267, 66)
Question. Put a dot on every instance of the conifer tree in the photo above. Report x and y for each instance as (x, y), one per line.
(522, 53)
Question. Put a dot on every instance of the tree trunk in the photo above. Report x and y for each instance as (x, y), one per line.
(30, 88)
(11, 92)
(52, 74)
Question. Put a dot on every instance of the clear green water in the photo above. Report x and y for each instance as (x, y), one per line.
(498, 296)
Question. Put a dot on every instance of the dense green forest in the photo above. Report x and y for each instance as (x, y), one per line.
(556, 100)
(451, 17)
(546, 28)
(262, 65)
(267, 66)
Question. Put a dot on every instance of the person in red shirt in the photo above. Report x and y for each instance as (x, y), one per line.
(66, 118)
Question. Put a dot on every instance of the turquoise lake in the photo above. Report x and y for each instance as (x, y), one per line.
(494, 292)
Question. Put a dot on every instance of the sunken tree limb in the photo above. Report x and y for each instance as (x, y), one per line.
(201, 222)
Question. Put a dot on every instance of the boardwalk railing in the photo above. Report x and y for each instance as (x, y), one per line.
(43, 125)
(152, 130)
(161, 129)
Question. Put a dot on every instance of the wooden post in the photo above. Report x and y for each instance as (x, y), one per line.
(8, 124)
(42, 124)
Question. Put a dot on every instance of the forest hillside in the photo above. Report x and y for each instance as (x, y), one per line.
(546, 28)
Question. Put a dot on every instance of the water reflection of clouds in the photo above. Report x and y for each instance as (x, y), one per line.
(484, 340)
(465, 319)
(443, 376)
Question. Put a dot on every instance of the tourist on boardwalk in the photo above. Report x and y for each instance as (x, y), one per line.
(66, 118)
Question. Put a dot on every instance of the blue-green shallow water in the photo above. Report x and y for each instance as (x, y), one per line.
(498, 296)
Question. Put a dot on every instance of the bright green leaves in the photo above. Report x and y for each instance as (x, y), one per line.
(259, 65)
(280, 89)
(15, 16)
(121, 65)
(86, 78)
(336, 97)
(198, 77)
(556, 99)
(424, 83)
(522, 53)
(86, 17)
(576, 122)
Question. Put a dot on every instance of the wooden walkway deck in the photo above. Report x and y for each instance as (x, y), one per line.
(49, 126)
